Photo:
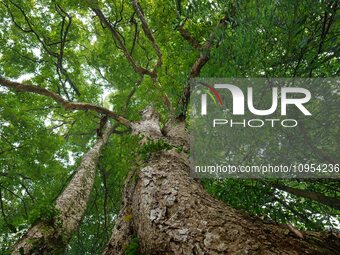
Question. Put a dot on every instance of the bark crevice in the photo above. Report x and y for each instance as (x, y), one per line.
(173, 214)
(123, 231)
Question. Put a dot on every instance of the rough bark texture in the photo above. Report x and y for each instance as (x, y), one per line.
(173, 214)
(123, 230)
(51, 236)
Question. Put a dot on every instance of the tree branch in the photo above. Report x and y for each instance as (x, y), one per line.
(312, 195)
(199, 63)
(66, 104)
(188, 37)
(148, 33)
(63, 35)
(290, 206)
(118, 40)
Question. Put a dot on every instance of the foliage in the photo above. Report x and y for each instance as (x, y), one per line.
(133, 247)
(150, 147)
(41, 144)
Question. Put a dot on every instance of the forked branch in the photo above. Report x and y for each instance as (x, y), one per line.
(66, 104)
(117, 38)
(200, 62)
(148, 33)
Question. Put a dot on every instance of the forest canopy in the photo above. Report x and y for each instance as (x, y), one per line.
(67, 68)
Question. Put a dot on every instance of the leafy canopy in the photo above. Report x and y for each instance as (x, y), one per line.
(62, 46)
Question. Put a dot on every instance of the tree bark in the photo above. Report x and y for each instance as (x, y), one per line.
(171, 213)
(51, 236)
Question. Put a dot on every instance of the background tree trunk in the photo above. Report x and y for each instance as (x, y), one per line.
(312, 195)
(171, 213)
(50, 236)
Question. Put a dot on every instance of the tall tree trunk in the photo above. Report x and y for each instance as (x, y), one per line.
(51, 236)
(170, 213)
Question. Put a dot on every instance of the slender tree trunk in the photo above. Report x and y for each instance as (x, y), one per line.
(51, 236)
(171, 213)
